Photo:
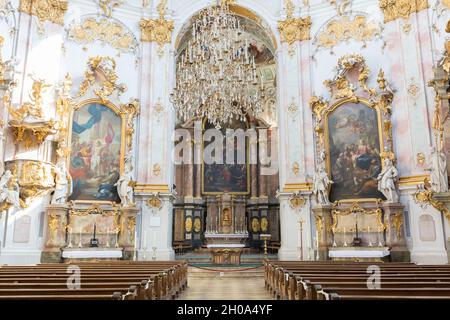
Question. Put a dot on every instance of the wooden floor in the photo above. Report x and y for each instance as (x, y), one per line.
(203, 285)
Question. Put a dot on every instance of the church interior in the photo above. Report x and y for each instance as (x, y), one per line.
(224, 149)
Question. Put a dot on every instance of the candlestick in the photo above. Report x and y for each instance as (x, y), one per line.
(69, 235)
(117, 239)
(107, 238)
(370, 238)
(80, 245)
(345, 239)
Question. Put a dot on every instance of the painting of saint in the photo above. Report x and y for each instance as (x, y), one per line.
(96, 151)
(354, 149)
(230, 178)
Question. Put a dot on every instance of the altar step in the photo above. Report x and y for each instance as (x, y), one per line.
(205, 258)
(225, 272)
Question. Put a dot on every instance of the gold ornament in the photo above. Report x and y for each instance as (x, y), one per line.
(425, 196)
(396, 9)
(45, 10)
(157, 30)
(101, 69)
(106, 31)
(397, 221)
(132, 109)
(107, 6)
(343, 29)
(296, 168)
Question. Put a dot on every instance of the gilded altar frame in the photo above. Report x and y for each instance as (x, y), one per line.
(350, 85)
(123, 130)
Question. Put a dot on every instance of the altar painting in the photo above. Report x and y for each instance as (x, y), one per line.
(226, 178)
(95, 153)
(354, 152)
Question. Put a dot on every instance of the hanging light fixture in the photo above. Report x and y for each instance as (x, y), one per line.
(216, 75)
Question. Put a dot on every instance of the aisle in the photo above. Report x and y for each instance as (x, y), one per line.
(204, 285)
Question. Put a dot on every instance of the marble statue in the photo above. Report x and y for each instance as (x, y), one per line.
(9, 190)
(438, 169)
(386, 181)
(125, 185)
(64, 187)
(321, 182)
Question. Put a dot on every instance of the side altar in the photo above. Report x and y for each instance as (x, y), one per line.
(226, 231)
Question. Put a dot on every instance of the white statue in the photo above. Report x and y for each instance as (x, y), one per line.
(438, 168)
(64, 187)
(321, 182)
(386, 181)
(125, 184)
(9, 190)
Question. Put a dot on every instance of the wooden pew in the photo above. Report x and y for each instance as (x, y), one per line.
(112, 280)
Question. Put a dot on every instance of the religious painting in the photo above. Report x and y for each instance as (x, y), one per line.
(96, 142)
(354, 152)
(226, 178)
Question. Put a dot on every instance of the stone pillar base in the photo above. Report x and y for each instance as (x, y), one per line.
(55, 232)
(49, 256)
(127, 230)
(323, 221)
(394, 219)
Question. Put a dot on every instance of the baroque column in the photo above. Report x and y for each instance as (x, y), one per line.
(155, 169)
(296, 144)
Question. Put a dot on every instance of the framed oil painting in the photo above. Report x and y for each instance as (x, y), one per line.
(354, 143)
(226, 178)
(96, 152)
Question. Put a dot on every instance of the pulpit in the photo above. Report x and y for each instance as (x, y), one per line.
(226, 231)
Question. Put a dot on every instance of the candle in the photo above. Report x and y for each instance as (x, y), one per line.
(317, 239)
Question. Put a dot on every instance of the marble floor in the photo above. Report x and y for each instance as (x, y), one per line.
(229, 286)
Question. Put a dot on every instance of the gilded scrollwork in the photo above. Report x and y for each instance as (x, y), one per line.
(101, 69)
(95, 209)
(34, 178)
(45, 10)
(401, 9)
(107, 6)
(356, 209)
(157, 30)
(294, 29)
(131, 109)
(105, 30)
(27, 121)
(297, 201)
(425, 196)
(345, 28)
(397, 222)
(395, 9)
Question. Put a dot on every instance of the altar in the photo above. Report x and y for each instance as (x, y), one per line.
(226, 230)
(88, 254)
(374, 254)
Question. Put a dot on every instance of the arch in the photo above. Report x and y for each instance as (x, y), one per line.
(257, 14)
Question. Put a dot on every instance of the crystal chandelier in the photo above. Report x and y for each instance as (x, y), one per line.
(216, 74)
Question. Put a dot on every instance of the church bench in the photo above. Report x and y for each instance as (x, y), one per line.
(158, 280)
(400, 293)
(380, 297)
(63, 297)
(297, 286)
(128, 293)
(287, 280)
